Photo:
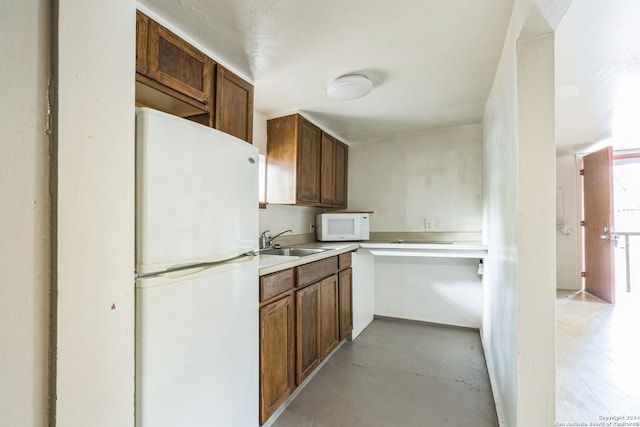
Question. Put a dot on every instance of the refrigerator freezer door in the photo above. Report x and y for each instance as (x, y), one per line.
(197, 348)
(197, 193)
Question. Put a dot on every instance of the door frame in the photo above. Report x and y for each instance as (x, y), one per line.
(617, 155)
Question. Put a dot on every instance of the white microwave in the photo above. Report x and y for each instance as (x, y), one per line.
(342, 226)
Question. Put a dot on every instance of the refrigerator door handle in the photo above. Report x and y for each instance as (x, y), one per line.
(183, 271)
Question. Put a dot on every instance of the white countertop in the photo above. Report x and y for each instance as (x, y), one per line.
(273, 263)
(426, 249)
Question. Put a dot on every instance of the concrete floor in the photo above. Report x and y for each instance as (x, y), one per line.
(399, 374)
(597, 358)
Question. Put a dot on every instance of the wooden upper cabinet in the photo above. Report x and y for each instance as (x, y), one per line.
(305, 166)
(234, 105)
(333, 187)
(178, 65)
(142, 36)
(341, 173)
(308, 176)
(175, 77)
(327, 165)
(293, 161)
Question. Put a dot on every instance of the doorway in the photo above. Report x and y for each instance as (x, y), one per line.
(626, 201)
(614, 278)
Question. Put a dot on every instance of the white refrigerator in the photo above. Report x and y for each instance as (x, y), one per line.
(197, 276)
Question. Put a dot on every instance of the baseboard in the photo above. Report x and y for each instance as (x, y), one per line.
(425, 322)
(496, 399)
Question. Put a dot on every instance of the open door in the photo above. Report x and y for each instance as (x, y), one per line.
(598, 224)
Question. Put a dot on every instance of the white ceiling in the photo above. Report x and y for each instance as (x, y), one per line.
(598, 76)
(432, 61)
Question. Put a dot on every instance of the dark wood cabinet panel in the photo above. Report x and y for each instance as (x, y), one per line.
(344, 260)
(175, 77)
(300, 327)
(294, 146)
(178, 65)
(314, 271)
(307, 324)
(328, 315)
(305, 166)
(234, 105)
(345, 296)
(282, 143)
(341, 162)
(277, 372)
(309, 150)
(275, 284)
(142, 37)
(327, 184)
(333, 186)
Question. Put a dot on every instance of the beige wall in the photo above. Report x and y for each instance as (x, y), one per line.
(95, 213)
(433, 176)
(519, 190)
(24, 212)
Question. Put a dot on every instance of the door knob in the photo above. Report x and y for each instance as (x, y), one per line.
(605, 237)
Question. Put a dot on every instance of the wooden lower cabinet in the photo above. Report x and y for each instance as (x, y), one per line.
(303, 314)
(345, 295)
(307, 351)
(328, 315)
(277, 373)
(317, 328)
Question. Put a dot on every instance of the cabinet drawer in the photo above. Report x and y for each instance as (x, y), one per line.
(344, 260)
(315, 271)
(276, 283)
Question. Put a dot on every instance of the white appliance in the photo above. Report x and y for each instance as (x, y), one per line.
(197, 285)
(342, 226)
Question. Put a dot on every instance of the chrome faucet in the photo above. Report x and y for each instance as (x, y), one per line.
(266, 242)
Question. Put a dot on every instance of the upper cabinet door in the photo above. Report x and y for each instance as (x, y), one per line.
(178, 65)
(305, 166)
(327, 185)
(309, 151)
(142, 36)
(234, 105)
(341, 162)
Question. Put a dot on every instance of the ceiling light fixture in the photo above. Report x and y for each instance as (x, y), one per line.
(349, 86)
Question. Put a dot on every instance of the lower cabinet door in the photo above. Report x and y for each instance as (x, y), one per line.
(277, 371)
(307, 323)
(344, 302)
(329, 329)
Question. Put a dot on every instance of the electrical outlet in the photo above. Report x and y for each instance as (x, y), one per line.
(428, 224)
(312, 228)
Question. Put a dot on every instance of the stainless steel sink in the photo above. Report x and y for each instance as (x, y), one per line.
(292, 251)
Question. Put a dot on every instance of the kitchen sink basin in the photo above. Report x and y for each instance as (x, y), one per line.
(292, 251)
